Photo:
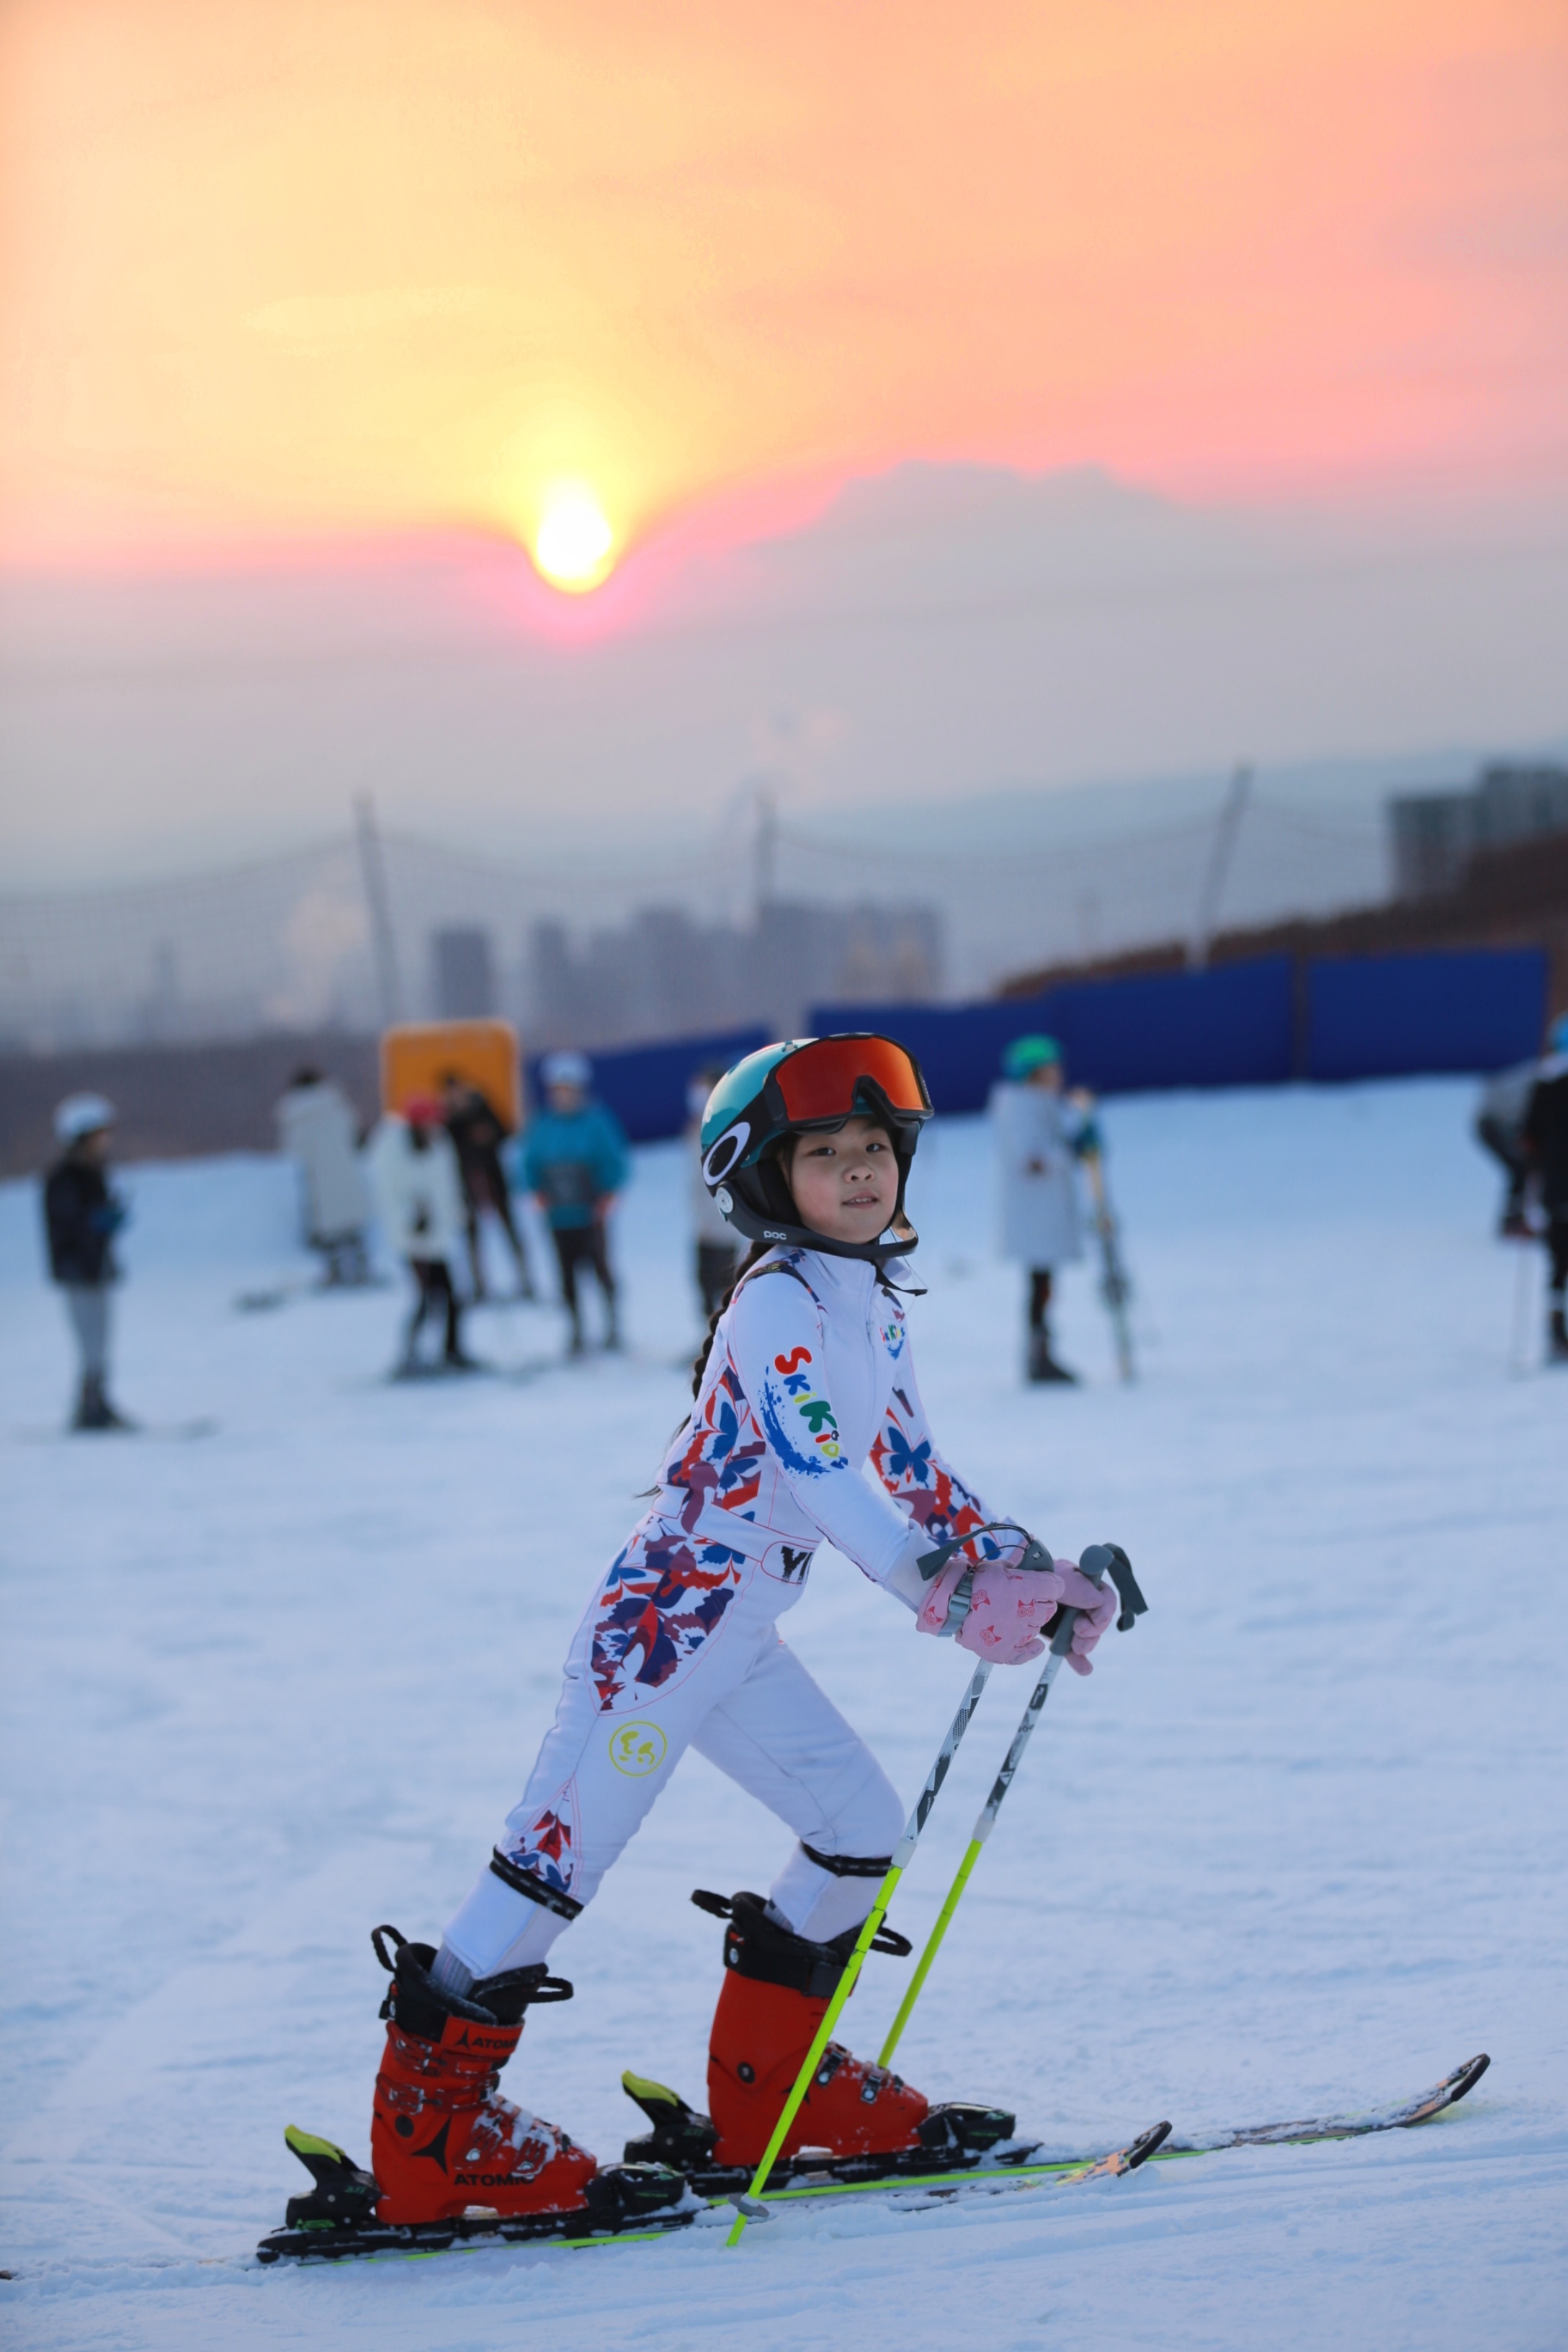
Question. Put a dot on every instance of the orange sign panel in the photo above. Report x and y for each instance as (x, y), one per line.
(418, 1055)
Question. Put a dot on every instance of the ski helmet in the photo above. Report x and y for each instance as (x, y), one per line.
(567, 1068)
(809, 1083)
(81, 1115)
(1027, 1054)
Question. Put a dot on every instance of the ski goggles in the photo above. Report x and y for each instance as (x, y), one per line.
(820, 1083)
(822, 1080)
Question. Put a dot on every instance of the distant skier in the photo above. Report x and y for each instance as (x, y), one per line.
(477, 1131)
(718, 1255)
(318, 1129)
(1500, 1128)
(1040, 1135)
(419, 1193)
(81, 1217)
(1546, 1140)
(574, 1162)
(806, 1374)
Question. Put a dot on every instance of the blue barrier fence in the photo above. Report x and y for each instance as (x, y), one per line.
(1256, 1023)
(646, 1085)
(1231, 1026)
(1396, 1016)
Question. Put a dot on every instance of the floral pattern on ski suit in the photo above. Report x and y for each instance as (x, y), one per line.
(810, 1379)
(915, 1474)
(661, 1599)
(774, 1464)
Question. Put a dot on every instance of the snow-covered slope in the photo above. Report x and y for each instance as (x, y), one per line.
(1299, 1843)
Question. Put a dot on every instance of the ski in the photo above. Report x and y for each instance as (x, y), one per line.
(337, 2219)
(336, 2224)
(683, 2139)
(1399, 2118)
(168, 1432)
(642, 2201)
(266, 1301)
(911, 2190)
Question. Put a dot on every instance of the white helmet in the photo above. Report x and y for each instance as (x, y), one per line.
(81, 1115)
(567, 1070)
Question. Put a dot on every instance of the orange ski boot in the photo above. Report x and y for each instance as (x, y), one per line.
(777, 1986)
(441, 2139)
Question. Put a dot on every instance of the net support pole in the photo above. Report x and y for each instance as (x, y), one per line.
(378, 903)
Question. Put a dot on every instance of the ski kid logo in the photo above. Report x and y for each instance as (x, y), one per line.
(638, 1749)
(815, 1410)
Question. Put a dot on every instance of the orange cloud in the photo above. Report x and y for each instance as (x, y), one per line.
(277, 268)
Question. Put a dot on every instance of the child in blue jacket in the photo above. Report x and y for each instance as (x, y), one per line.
(574, 1162)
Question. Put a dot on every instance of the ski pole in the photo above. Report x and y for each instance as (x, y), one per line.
(1519, 1344)
(1115, 1288)
(1098, 1562)
(846, 1984)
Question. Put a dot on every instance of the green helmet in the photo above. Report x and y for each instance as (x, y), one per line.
(1026, 1055)
(801, 1083)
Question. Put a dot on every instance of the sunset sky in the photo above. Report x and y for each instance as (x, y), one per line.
(986, 397)
(284, 273)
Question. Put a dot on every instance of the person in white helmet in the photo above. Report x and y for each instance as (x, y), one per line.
(81, 1217)
(575, 1162)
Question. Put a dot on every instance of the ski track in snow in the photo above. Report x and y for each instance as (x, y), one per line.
(1299, 1845)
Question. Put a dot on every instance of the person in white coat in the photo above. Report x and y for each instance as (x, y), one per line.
(318, 1127)
(419, 1196)
(1041, 1133)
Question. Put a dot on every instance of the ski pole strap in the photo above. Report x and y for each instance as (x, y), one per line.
(932, 1564)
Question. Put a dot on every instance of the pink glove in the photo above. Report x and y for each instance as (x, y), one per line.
(1009, 1605)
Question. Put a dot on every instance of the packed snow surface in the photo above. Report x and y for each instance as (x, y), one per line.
(1298, 1845)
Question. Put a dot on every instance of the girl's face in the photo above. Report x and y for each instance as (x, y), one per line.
(845, 1184)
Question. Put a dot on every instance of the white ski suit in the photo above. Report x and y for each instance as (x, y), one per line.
(318, 1129)
(1035, 1133)
(419, 1194)
(809, 1376)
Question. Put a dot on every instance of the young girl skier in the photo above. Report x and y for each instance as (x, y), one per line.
(807, 1150)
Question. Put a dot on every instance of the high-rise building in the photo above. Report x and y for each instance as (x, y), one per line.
(662, 975)
(1435, 835)
(464, 974)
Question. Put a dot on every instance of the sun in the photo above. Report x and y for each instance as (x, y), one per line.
(574, 546)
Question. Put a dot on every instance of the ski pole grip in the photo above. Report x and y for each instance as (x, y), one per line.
(1094, 1565)
(1112, 1561)
(1100, 1562)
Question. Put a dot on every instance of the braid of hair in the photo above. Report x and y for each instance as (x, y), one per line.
(754, 1256)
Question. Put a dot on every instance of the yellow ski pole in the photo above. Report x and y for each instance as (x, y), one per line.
(1096, 1563)
(846, 1984)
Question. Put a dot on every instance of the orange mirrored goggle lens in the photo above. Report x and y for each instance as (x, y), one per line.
(820, 1081)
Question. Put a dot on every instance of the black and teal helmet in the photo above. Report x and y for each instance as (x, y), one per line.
(801, 1083)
